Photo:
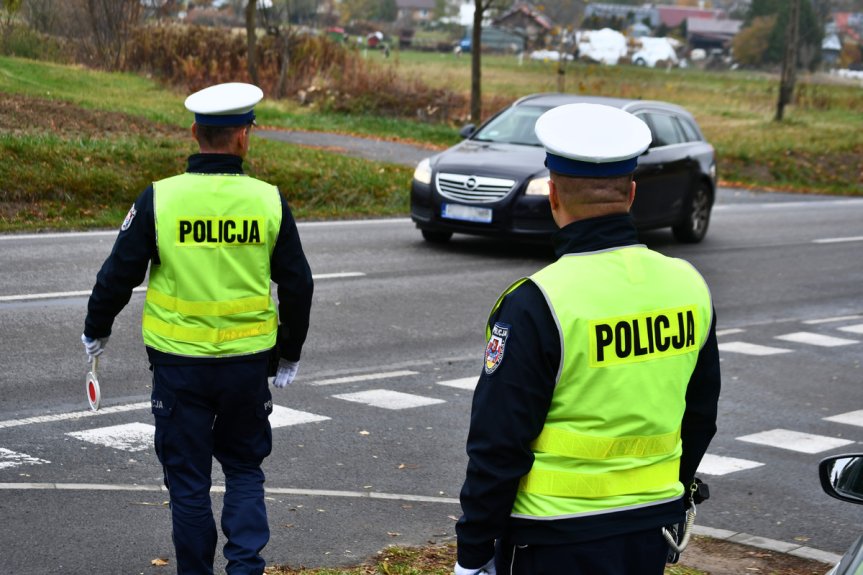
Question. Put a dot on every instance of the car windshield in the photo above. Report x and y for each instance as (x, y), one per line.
(513, 126)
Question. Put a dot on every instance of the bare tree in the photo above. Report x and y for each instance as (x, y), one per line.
(276, 19)
(41, 15)
(480, 8)
(8, 12)
(251, 40)
(65, 18)
(111, 24)
(789, 62)
(285, 38)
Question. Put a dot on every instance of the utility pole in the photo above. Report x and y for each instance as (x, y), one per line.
(789, 62)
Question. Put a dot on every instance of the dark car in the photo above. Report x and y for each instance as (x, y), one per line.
(495, 182)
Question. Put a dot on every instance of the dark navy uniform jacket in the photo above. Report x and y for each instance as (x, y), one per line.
(135, 248)
(510, 407)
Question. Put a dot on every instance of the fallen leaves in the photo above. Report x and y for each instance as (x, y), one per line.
(159, 562)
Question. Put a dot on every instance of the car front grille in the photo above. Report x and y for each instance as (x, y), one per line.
(473, 189)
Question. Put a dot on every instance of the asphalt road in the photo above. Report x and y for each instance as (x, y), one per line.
(369, 441)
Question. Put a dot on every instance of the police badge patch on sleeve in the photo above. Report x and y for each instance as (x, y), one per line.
(129, 217)
(496, 345)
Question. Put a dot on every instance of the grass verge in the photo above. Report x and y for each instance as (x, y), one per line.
(429, 560)
(79, 145)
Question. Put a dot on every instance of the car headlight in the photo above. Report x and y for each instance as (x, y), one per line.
(537, 187)
(423, 172)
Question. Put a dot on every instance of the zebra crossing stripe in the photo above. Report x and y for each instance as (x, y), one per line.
(721, 465)
(9, 459)
(127, 437)
(816, 339)
(364, 377)
(795, 440)
(74, 414)
(832, 319)
(850, 418)
(285, 416)
(388, 399)
(750, 348)
(729, 331)
(853, 328)
(468, 383)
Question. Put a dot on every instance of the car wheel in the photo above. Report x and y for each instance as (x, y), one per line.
(436, 237)
(696, 217)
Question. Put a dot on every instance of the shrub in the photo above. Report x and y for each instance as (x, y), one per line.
(320, 71)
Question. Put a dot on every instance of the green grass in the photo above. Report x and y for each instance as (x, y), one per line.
(81, 169)
(130, 130)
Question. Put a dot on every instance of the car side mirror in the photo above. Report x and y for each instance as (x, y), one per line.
(467, 131)
(842, 477)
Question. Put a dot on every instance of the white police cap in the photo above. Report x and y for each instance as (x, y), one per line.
(230, 104)
(592, 140)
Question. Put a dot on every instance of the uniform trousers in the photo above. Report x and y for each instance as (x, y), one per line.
(639, 553)
(214, 410)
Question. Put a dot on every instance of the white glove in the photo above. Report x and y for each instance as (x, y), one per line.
(286, 373)
(93, 346)
(487, 568)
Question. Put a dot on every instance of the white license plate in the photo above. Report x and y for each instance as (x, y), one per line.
(465, 213)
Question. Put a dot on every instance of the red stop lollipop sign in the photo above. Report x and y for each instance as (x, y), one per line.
(94, 395)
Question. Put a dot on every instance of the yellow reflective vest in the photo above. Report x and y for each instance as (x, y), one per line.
(210, 294)
(631, 324)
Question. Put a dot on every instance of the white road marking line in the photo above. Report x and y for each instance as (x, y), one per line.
(337, 275)
(335, 223)
(340, 223)
(463, 383)
(852, 328)
(816, 339)
(795, 441)
(838, 240)
(220, 489)
(281, 416)
(128, 437)
(9, 459)
(729, 331)
(832, 319)
(55, 236)
(721, 465)
(55, 295)
(86, 293)
(284, 416)
(750, 348)
(387, 399)
(74, 415)
(850, 418)
(364, 377)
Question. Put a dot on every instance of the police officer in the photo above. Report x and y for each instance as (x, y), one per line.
(600, 385)
(213, 239)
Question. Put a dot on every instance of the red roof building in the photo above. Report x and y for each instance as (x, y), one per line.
(673, 16)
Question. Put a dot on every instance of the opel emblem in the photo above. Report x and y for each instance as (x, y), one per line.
(470, 183)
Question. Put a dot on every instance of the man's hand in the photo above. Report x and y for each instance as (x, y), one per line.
(487, 568)
(93, 346)
(286, 373)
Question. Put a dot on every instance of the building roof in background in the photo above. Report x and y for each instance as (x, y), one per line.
(415, 4)
(673, 16)
(528, 10)
(713, 26)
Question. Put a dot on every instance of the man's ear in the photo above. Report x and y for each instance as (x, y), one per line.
(631, 195)
(195, 130)
(553, 197)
